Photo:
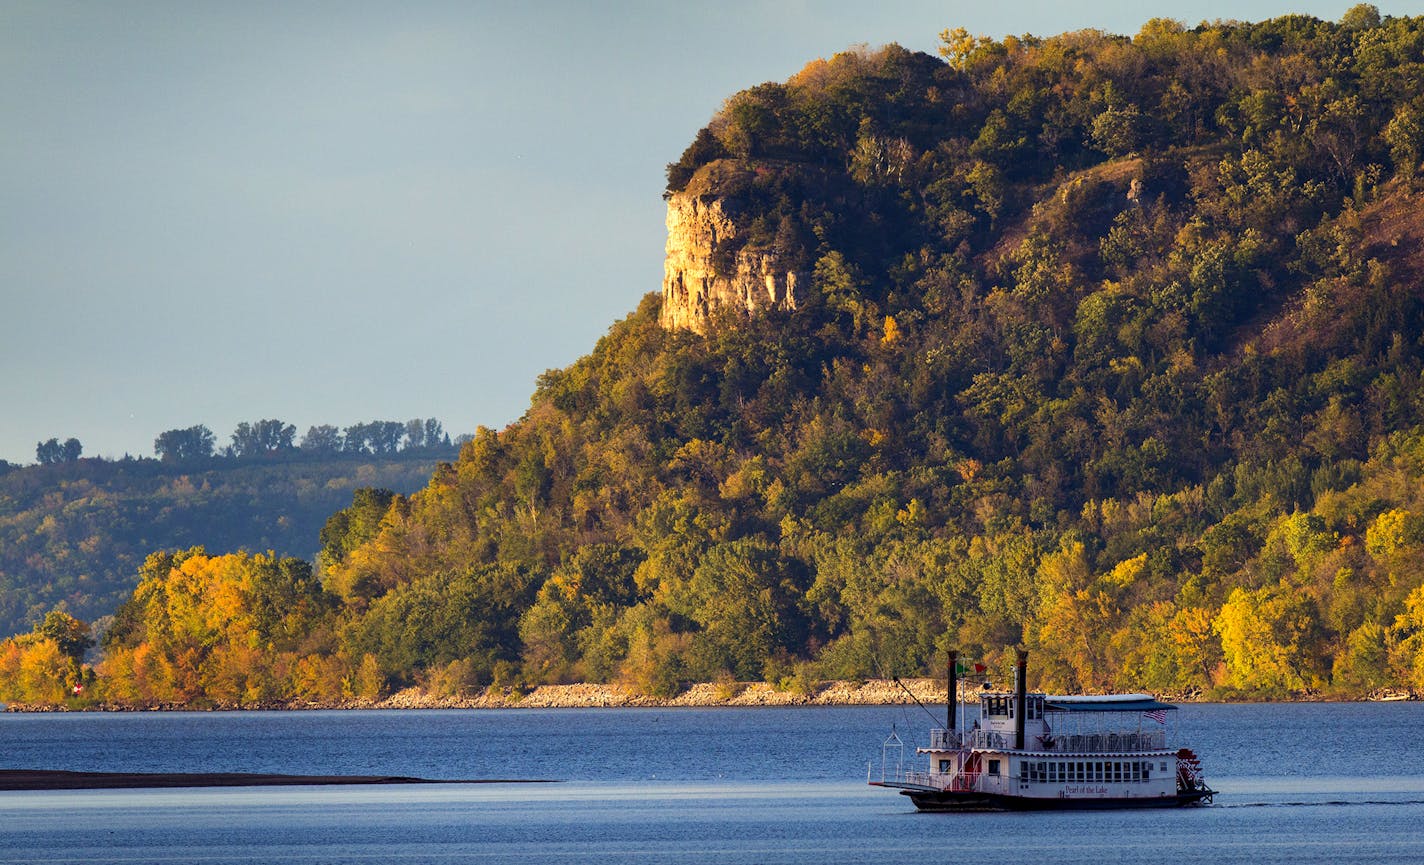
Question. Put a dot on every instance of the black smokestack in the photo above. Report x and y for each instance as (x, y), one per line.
(1021, 697)
(953, 686)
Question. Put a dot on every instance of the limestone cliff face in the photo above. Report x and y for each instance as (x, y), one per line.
(700, 274)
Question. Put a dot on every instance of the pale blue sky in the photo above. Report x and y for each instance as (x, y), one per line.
(330, 213)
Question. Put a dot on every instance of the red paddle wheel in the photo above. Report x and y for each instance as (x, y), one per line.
(1189, 772)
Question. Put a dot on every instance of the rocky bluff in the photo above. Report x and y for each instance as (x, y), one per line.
(722, 256)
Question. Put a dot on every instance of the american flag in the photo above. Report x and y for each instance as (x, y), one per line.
(1158, 715)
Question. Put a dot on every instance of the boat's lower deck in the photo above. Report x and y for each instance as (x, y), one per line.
(953, 800)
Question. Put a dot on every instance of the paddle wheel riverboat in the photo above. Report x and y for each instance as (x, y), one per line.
(1041, 752)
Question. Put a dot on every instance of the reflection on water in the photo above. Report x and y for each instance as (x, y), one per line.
(738, 786)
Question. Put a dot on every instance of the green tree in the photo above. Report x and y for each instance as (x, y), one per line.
(179, 445)
(53, 452)
(322, 438)
(262, 437)
(743, 604)
(1361, 16)
(1118, 131)
(71, 635)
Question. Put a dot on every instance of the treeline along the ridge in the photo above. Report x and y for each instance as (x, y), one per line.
(74, 531)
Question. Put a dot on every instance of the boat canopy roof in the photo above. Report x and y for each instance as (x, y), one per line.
(1106, 703)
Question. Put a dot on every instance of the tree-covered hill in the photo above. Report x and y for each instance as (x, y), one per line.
(75, 532)
(1113, 349)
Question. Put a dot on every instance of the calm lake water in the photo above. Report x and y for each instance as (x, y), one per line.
(1299, 784)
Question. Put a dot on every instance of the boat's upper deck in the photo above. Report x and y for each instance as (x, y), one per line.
(1114, 723)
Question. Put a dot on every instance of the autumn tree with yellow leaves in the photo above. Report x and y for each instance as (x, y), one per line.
(227, 630)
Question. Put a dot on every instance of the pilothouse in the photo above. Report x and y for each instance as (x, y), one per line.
(1037, 751)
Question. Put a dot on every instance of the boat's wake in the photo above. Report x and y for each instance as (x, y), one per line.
(1322, 803)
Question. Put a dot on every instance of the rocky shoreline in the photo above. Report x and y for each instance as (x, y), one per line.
(871, 692)
(875, 692)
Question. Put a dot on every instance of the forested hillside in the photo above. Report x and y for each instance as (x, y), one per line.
(1113, 349)
(75, 531)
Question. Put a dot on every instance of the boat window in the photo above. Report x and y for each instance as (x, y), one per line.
(943, 766)
(1062, 771)
(1146, 771)
(1079, 772)
(1137, 771)
(993, 767)
(1097, 771)
(1117, 771)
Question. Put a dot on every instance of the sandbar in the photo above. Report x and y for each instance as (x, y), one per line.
(49, 779)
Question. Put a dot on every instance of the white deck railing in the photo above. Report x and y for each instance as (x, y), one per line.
(946, 740)
(1117, 742)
